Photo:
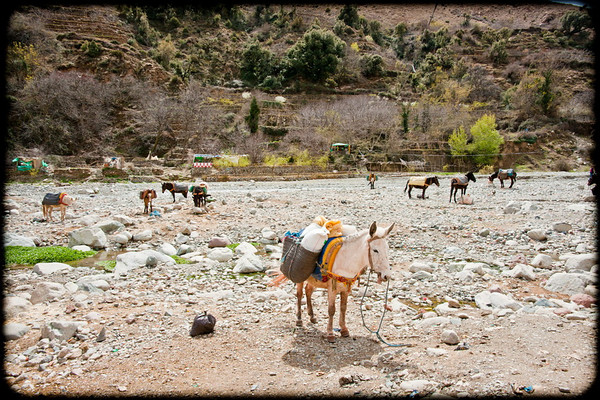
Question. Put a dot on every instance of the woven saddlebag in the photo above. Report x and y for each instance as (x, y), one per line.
(297, 263)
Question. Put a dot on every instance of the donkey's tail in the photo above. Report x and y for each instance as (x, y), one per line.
(279, 278)
(406, 187)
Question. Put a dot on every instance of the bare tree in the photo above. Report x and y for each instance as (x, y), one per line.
(155, 117)
(362, 120)
(63, 113)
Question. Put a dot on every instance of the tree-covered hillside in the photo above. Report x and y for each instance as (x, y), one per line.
(396, 81)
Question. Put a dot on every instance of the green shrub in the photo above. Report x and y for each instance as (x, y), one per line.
(91, 48)
(349, 15)
(256, 63)
(575, 21)
(498, 52)
(253, 114)
(23, 255)
(274, 161)
(371, 65)
(107, 265)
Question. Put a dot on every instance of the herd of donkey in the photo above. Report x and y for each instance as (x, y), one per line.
(200, 191)
(354, 254)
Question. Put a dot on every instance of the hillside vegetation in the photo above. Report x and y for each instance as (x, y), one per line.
(398, 82)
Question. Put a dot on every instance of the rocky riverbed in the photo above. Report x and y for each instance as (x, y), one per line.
(492, 298)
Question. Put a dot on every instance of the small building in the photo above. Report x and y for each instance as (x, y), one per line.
(343, 148)
(204, 160)
(29, 164)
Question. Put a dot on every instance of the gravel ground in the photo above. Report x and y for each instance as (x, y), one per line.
(544, 341)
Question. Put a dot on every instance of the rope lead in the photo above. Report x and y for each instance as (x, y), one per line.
(382, 315)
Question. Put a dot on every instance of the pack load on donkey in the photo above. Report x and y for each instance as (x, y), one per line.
(302, 250)
(53, 199)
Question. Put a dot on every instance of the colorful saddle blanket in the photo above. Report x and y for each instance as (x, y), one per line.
(53, 199)
(327, 257)
(506, 173)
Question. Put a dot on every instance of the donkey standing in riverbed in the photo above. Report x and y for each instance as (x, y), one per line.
(460, 182)
(366, 248)
(421, 183)
(503, 174)
(56, 200)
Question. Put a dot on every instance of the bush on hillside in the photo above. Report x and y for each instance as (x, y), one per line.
(316, 55)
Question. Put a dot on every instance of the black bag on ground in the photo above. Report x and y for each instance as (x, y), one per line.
(297, 263)
(203, 324)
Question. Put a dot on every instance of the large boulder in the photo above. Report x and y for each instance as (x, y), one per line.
(14, 330)
(143, 235)
(11, 239)
(493, 300)
(248, 263)
(47, 291)
(168, 249)
(583, 262)
(220, 254)
(136, 259)
(245, 248)
(13, 305)
(563, 282)
(542, 261)
(50, 268)
(109, 226)
(522, 271)
(93, 237)
(61, 330)
(537, 234)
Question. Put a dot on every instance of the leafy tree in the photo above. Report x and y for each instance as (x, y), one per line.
(256, 64)
(165, 52)
(486, 140)
(349, 15)
(397, 42)
(21, 61)
(575, 22)
(252, 117)
(458, 142)
(483, 144)
(371, 65)
(375, 32)
(546, 94)
(316, 55)
(498, 52)
(534, 95)
(431, 41)
(405, 116)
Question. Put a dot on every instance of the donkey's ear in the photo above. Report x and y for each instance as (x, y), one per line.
(388, 230)
(373, 229)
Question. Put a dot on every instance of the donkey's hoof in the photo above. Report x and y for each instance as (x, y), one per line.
(313, 320)
(345, 332)
(299, 323)
(331, 338)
